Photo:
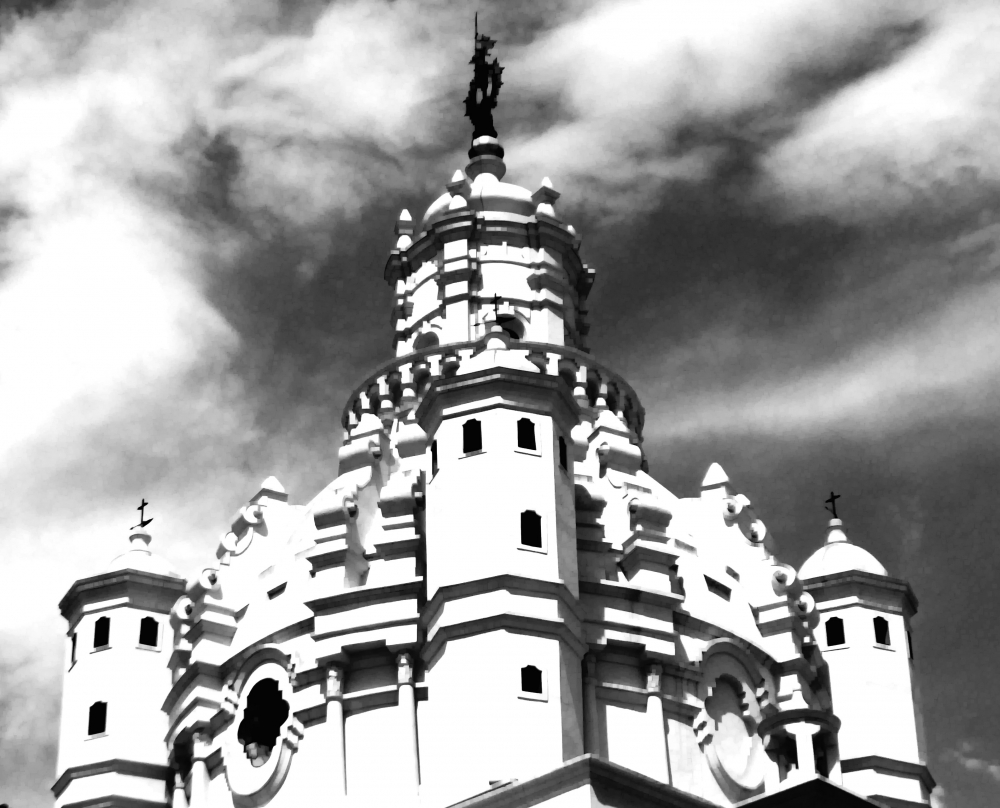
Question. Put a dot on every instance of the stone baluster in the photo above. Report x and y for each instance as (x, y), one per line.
(552, 364)
(580, 390)
(334, 694)
(408, 713)
(409, 397)
(602, 395)
(434, 360)
(657, 726)
(385, 405)
(591, 715)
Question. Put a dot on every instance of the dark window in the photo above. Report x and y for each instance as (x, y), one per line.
(531, 529)
(434, 458)
(881, 631)
(149, 632)
(563, 460)
(72, 649)
(102, 632)
(525, 434)
(472, 436)
(97, 721)
(531, 679)
(428, 340)
(835, 631)
(265, 713)
(512, 326)
(909, 644)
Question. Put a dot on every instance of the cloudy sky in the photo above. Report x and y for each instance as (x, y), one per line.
(793, 207)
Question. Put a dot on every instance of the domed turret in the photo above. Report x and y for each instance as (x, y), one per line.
(116, 678)
(839, 554)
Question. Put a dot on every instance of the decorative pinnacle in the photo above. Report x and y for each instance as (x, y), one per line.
(484, 87)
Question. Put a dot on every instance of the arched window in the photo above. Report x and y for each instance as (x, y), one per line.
(149, 631)
(835, 631)
(427, 340)
(526, 434)
(531, 679)
(102, 632)
(97, 720)
(531, 529)
(563, 459)
(512, 326)
(881, 631)
(472, 436)
(265, 713)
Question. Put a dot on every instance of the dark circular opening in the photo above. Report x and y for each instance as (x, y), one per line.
(265, 713)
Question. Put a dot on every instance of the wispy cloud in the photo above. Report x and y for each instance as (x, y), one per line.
(966, 757)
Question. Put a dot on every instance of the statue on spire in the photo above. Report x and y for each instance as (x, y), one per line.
(484, 87)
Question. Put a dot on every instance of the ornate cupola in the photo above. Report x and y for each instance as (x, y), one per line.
(487, 253)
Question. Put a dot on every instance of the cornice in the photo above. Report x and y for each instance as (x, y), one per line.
(865, 579)
(133, 768)
(108, 583)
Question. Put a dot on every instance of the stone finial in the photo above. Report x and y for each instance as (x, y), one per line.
(714, 477)
(404, 224)
(545, 193)
(272, 489)
(459, 185)
(835, 532)
(140, 538)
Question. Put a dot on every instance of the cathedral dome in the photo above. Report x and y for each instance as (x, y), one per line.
(140, 558)
(839, 554)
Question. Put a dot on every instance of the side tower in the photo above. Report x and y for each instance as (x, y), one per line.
(111, 734)
(865, 638)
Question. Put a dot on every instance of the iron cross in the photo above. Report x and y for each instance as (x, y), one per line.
(496, 305)
(142, 515)
(832, 502)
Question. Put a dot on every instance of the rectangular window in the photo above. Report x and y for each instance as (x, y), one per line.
(563, 459)
(472, 436)
(97, 719)
(149, 632)
(909, 644)
(434, 458)
(526, 434)
(102, 632)
(72, 649)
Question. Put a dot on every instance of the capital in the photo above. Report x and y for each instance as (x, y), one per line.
(334, 682)
(404, 669)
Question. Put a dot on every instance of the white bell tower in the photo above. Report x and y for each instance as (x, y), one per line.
(112, 730)
(864, 635)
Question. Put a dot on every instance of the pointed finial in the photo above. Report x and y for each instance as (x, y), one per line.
(404, 223)
(714, 477)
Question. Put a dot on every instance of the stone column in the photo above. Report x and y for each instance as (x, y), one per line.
(590, 718)
(657, 727)
(803, 734)
(201, 748)
(179, 797)
(408, 712)
(335, 728)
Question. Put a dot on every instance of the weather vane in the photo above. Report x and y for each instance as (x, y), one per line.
(142, 515)
(484, 87)
(832, 503)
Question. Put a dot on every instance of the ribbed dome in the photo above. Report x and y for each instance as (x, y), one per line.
(140, 558)
(839, 554)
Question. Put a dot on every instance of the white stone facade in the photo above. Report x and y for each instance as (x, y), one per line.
(491, 588)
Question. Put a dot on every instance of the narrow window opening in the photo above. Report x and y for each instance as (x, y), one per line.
(835, 631)
(909, 644)
(265, 713)
(102, 632)
(881, 631)
(434, 458)
(273, 593)
(149, 631)
(472, 436)
(72, 649)
(97, 720)
(531, 679)
(531, 529)
(525, 434)
(563, 460)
